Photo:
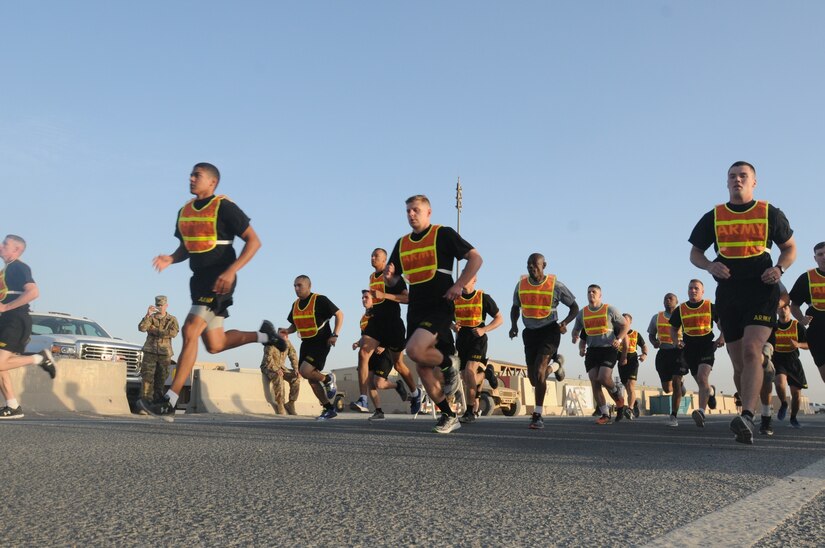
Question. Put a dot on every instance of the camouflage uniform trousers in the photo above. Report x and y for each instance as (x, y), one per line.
(154, 369)
(276, 387)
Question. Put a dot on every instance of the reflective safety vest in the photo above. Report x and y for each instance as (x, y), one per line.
(741, 235)
(536, 300)
(364, 321)
(419, 260)
(468, 312)
(816, 285)
(663, 329)
(377, 284)
(696, 321)
(304, 318)
(785, 336)
(632, 339)
(596, 322)
(199, 227)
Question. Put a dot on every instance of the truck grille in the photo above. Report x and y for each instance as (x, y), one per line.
(111, 353)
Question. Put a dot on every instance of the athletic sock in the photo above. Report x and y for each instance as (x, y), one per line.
(379, 410)
(445, 407)
(362, 398)
(263, 338)
(327, 406)
(415, 393)
(553, 366)
(13, 403)
(703, 410)
(538, 409)
(748, 414)
(604, 409)
(172, 397)
(38, 359)
(766, 410)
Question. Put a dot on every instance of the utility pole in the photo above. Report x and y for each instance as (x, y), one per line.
(458, 220)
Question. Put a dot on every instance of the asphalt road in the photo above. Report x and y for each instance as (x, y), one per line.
(223, 480)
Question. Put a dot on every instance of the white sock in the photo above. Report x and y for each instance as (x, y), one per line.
(363, 397)
(538, 409)
(415, 393)
(553, 367)
(702, 410)
(173, 398)
(38, 359)
(263, 338)
(605, 409)
(767, 410)
(12, 403)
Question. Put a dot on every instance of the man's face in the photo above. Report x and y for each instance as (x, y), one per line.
(10, 250)
(535, 268)
(627, 319)
(594, 295)
(378, 260)
(784, 313)
(418, 215)
(302, 288)
(741, 183)
(670, 302)
(819, 257)
(470, 286)
(366, 300)
(202, 183)
(696, 292)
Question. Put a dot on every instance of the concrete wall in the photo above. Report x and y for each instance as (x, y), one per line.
(87, 386)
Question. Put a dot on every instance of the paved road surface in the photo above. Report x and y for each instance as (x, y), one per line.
(222, 480)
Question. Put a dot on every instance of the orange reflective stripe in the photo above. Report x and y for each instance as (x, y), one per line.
(4, 289)
(696, 321)
(377, 284)
(364, 321)
(199, 227)
(419, 260)
(785, 336)
(663, 329)
(536, 300)
(741, 235)
(632, 339)
(816, 286)
(596, 322)
(468, 312)
(304, 318)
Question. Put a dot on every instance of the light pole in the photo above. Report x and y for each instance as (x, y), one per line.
(458, 216)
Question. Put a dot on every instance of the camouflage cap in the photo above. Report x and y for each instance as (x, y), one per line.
(160, 300)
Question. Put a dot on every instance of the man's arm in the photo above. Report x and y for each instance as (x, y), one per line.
(336, 328)
(571, 315)
(251, 246)
(472, 267)
(515, 312)
(787, 256)
(716, 269)
(30, 293)
(162, 261)
(170, 328)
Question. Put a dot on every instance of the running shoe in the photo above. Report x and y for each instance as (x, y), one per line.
(698, 417)
(328, 414)
(684, 390)
(604, 419)
(765, 427)
(783, 410)
(9, 413)
(742, 426)
(163, 409)
(360, 405)
(636, 411)
(377, 416)
(628, 413)
(48, 362)
(712, 398)
(490, 375)
(415, 403)
(446, 424)
(795, 423)
(450, 384)
(467, 417)
(536, 422)
(268, 329)
(672, 421)
(401, 388)
(560, 374)
(330, 387)
(619, 414)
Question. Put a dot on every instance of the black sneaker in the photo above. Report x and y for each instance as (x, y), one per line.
(628, 413)
(765, 427)
(401, 388)
(9, 413)
(536, 422)
(636, 411)
(377, 416)
(274, 339)
(712, 398)
(164, 409)
(490, 375)
(742, 426)
(48, 362)
(619, 414)
(560, 374)
(783, 411)
(467, 417)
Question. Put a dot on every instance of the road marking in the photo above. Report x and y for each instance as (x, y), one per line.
(739, 525)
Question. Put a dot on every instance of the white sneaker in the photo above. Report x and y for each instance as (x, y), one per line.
(672, 421)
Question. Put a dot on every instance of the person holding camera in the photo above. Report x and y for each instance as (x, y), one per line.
(160, 328)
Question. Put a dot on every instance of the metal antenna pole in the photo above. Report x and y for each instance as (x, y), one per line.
(458, 206)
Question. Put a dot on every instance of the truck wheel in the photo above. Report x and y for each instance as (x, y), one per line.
(513, 410)
(487, 404)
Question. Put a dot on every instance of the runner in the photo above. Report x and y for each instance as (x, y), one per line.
(471, 309)
(629, 360)
(425, 258)
(809, 289)
(605, 328)
(669, 354)
(742, 232)
(789, 336)
(536, 299)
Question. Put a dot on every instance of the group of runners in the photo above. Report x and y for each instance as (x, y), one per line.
(418, 272)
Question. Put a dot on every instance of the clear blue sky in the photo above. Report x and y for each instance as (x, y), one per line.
(596, 133)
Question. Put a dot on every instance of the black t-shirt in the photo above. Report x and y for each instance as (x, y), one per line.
(389, 308)
(324, 310)
(448, 246)
(676, 321)
(231, 222)
(801, 293)
(17, 275)
(488, 307)
(779, 231)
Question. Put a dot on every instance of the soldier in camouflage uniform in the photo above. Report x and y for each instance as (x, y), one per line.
(273, 366)
(160, 329)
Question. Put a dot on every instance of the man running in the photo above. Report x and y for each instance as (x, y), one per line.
(789, 337)
(536, 299)
(629, 359)
(668, 355)
(605, 328)
(809, 289)
(425, 258)
(742, 232)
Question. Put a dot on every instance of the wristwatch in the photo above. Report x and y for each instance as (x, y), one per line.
(781, 269)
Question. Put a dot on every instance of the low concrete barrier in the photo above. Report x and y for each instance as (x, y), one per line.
(88, 386)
